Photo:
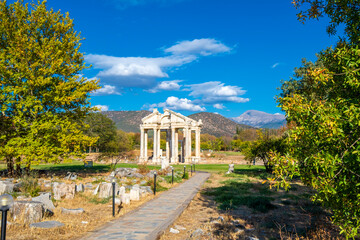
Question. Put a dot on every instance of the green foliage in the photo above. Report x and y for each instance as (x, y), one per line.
(324, 148)
(185, 176)
(29, 186)
(340, 12)
(43, 98)
(102, 128)
(262, 148)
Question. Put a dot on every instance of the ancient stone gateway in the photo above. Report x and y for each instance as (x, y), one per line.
(171, 123)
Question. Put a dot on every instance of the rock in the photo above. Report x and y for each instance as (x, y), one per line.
(231, 169)
(197, 233)
(63, 190)
(70, 176)
(45, 198)
(88, 186)
(174, 231)
(27, 211)
(221, 219)
(79, 188)
(252, 238)
(237, 224)
(47, 224)
(143, 182)
(125, 198)
(179, 227)
(96, 189)
(6, 187)
(117, 201)
(84, 222)
(106, 190)
(17, 187)
(72, 211)
(23, 198)
(138, 175)
(147, 189)
(135, 194)
(122, 190)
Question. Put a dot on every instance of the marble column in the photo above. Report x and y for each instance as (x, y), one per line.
(168, 144)
(173, 144)
(142, 155)
(158, 145)
(197, 144)
(176, 146)
(145, 145)
(155, 145)
(189, 146)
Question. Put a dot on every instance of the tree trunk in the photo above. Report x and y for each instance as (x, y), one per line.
(18, 167)
(10, 165)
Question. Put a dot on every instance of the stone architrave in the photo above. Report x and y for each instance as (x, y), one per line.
(170, 122)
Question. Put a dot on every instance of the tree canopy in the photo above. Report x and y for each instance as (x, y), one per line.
(43, 97)
(322, 105)
(345, 12)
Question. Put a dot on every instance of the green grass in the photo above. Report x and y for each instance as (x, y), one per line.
(230, 153)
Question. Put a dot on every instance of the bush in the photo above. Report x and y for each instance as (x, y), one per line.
(29, 186)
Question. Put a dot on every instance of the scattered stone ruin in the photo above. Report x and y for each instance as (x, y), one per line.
(171, 123)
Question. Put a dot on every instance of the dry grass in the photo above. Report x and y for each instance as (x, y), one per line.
(94, 217)
(294, 217)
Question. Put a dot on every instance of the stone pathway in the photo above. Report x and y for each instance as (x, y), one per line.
(155, 216)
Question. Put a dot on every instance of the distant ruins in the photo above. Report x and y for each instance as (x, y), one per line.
(171, 123)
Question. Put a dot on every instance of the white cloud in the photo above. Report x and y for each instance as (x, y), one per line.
(175, 103)
(102, 107)
(166, 86)
(275, 65)
(217, 92)
(142, 72)
(218, 106)
(204, 47)
(106, 90)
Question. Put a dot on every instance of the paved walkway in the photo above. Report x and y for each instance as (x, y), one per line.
(154, 217)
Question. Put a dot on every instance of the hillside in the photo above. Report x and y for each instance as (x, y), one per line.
(128, 121)
(216, 124)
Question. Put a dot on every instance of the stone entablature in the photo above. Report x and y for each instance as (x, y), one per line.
(170, 122)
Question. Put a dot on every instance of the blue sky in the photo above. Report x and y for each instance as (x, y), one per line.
(223, 56)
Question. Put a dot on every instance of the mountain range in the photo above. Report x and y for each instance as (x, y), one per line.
(213, 123)
(260, 119)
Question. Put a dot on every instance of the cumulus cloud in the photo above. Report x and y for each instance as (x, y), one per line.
(178, 104)
(143, 72)
(106, 90)
(217, 92)
(166, 86)
(218, 106)
(204, 47)
(102, 107)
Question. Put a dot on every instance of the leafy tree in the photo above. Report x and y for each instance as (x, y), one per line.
(43, 98)
(262, 148)
(324, 144)
(102, 128)
(340, 12)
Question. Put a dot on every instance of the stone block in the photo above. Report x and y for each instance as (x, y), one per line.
(105, 190)
(135, 194)
(61, 190)
(80, 187)
(125, 198)
(72, 211)
(45, 198)
(47, 224)
(27, 211)
(6, 187)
